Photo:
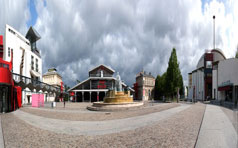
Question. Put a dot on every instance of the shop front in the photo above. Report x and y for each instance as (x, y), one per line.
(228, 93)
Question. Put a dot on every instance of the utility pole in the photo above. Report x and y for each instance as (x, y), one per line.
(214, 31)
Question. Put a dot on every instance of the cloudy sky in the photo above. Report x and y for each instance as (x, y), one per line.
(127, 35)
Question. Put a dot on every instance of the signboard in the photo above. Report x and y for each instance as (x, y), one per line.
(37, 100)
(102, 85)
(72, 93)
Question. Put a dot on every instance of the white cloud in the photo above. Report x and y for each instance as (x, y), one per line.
(14, 13)
(129, 35)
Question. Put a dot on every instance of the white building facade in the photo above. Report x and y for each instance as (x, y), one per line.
(26, 57)
(215, 78)
(227, 80)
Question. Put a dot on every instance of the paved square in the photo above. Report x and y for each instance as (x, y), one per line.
(152, 125)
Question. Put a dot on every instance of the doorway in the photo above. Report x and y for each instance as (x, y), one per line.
(4, 98)
(94, 97)
(101, 96)
(28, 99)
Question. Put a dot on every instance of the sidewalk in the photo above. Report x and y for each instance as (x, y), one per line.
(1, 136)
(216, 130)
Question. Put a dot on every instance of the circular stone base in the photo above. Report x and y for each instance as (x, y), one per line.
(101, 106)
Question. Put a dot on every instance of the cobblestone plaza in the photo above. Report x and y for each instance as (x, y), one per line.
(151, 125)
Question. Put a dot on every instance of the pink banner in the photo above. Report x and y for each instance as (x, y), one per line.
(37, 100)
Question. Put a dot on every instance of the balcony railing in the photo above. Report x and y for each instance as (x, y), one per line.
(99, 75)
(35, 83)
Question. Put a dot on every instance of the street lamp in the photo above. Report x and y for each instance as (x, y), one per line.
(214, 31)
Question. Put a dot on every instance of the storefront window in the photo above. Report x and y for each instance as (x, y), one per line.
(228, 95)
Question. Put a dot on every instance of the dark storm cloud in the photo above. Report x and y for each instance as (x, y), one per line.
(127, 36)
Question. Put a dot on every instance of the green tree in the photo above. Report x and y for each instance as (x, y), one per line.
(236, 52)
(181, 86)
(156, 90)
(160, 84)
(66, 88)
(66, 94)
(174, 79)
(77, 81)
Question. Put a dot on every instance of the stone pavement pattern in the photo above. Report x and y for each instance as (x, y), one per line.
(1, 136)
(96, 127)
(85, 115)
(216, 130)
(174, 131)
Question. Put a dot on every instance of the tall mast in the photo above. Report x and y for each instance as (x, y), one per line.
(214, 31)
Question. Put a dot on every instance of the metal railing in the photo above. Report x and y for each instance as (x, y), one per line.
(99, 75)
(35, 83)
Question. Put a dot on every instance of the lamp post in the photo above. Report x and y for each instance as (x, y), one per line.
(214, 31)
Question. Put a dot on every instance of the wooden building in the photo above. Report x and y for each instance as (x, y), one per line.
(94, 88)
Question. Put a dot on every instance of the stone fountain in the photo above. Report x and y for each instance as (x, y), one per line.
(115, 99)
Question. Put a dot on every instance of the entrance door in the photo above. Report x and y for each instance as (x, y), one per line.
(1, 99)
(4, 101)
(101, 96)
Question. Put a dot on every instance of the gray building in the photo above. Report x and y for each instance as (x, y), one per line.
(215, 78)
(145, 84)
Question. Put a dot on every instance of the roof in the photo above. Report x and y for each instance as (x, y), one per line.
(32, 35)
(217, 55)
(98, 78)
(8, 27)
(52, 69)
(144, 74)
(52, 73)
(220, 52)
(110, 69)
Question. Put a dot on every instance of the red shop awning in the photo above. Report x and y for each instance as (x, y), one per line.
(225, 88)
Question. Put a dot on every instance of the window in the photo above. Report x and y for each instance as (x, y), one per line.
(209, 64)
(37, 65)
(5, 66)
(32, 62)
(11, 31)
(9, 52)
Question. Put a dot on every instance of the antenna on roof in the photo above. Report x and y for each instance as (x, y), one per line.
(214, 31)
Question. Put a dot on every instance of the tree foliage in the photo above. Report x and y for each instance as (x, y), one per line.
(66, 88)
(77, 81)
(171, 80)
(160, 84)
(236, 52)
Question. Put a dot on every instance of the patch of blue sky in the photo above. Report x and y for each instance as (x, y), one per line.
(220, 1)
(33, 13)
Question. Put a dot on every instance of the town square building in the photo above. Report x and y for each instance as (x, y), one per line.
(26, 57)
(144, 86)
(27, 62)
(215, 78)
(95, 87)
(52, 77)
